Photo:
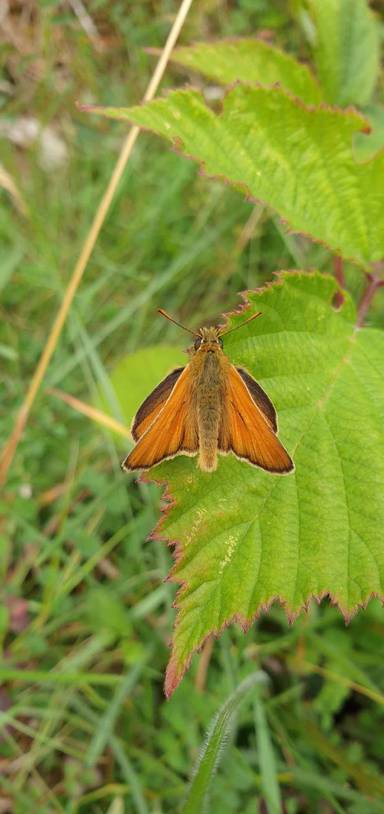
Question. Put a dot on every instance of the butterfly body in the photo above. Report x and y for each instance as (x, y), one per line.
(209, 406)
(209, 369)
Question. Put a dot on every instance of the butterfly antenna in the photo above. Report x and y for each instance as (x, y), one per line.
(175, 322)
(258, 314)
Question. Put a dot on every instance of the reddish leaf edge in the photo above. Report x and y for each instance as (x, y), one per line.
(177, 146)
(176, 670)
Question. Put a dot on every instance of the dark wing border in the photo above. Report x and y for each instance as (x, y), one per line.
(259, 397)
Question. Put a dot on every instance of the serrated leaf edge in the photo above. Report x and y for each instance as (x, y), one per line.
(175, 671)
(234, 40)
(177, 145)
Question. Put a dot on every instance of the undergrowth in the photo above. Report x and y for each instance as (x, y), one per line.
(86, 616)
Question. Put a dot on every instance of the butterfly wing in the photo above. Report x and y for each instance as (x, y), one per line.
(259, 397)
(247, 431)
(173, 429)
(152, 405)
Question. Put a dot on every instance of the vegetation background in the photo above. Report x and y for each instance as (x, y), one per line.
(86, 616)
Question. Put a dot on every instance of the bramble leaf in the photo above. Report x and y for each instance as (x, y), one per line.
(298, 160)
(246, 538)
(249, 60)
(346, 50)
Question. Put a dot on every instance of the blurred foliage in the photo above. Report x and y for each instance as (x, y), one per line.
(86, 616)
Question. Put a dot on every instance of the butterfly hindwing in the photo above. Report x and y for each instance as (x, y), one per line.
(247, 431)
(173, 429)
(152, 405)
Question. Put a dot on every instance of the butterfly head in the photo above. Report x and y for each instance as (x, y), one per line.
(208, 339)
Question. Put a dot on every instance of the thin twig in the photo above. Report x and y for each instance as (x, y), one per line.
(101, 213)
(91, 412)
(338, 267)
(204, 660)
(249, 227)
(7, 182)
(86, 23)
(373, 284)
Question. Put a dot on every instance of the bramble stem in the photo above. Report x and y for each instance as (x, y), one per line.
(373, 284)
(202, 668)
(338, 267)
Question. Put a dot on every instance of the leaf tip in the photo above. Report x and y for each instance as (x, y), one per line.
(173, 676)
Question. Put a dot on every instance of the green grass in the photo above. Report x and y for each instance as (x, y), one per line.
(86, 616)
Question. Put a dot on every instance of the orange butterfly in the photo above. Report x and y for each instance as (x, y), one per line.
(207, 407)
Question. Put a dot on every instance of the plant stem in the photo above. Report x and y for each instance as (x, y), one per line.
(373, 284)
(338, 267)
(205, 658)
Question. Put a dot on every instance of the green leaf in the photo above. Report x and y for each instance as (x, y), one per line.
(246, 538)
(198, 794)
(346, 50)
(249, 60)
(271, 147)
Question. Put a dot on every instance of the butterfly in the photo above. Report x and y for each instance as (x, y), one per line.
(205, 408)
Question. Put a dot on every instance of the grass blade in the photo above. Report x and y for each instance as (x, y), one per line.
(218, 733)
(269, 782)
(107, 722)
(130, 776)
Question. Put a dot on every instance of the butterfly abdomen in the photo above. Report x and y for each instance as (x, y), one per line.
(209, 398)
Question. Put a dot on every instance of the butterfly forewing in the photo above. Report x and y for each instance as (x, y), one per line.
(172, 430)
(152, 405)
(247, 431)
